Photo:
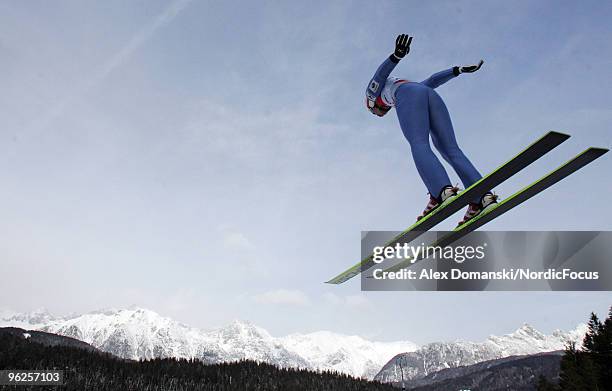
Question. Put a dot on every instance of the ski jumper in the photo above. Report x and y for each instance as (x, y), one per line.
(421, 113)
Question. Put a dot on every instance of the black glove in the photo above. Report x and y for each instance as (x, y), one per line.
(402, 46)
(468, 68)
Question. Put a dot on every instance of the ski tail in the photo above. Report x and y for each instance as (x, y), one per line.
(514, 200)
(524, 158)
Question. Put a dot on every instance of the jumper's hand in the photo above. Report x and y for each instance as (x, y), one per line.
(470, 68)
(402, 45)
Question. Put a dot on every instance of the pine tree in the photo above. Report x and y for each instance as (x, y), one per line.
(569, 379)
(594, 328)
(545, 385)
(605, 353)
(589, 369)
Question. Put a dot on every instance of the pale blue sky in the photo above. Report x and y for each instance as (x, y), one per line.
(214, 160)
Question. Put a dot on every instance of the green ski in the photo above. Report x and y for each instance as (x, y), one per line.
(515, 199)
(530, 154)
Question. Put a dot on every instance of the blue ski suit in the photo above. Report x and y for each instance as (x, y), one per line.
(421, 113)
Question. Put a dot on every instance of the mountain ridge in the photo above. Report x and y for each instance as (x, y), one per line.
(433, 357)
(136, 333)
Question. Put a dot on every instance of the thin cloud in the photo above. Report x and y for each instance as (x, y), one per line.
(237, 241)
(284, 297)
(355, 302)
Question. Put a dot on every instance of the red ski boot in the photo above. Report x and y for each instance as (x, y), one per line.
(446, 193)
(474, 210)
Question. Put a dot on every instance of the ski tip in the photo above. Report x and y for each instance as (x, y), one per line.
(595, 152)
(560, 135)
(598, 150)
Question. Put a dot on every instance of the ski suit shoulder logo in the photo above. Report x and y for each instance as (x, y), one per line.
(374, 86)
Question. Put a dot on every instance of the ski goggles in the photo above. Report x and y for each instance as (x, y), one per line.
(377, 107)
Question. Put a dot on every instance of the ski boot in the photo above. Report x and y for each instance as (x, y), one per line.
(474, 210)
(445, 193)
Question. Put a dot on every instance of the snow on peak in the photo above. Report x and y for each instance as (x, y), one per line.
(528, 340)
(245, 329)
(527, 331)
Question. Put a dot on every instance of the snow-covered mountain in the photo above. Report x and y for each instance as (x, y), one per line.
(433, 357)
(30, 320)
(342, 353)
(139, 333)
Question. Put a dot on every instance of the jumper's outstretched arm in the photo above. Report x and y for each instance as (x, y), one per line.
(437, 79)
